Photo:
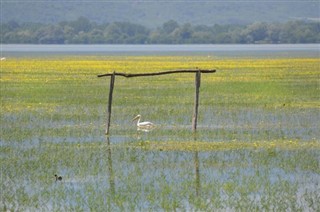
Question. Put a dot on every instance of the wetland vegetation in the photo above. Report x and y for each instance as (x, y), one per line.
(256, 148)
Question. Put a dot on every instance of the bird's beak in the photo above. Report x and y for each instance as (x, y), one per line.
(135, 118)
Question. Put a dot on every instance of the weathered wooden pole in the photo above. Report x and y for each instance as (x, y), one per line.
(196, 101)
(112, 78)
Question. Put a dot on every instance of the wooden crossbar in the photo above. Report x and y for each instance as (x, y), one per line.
(157, 73)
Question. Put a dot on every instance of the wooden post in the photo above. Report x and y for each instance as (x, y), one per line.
(196, 102)
(112, 78)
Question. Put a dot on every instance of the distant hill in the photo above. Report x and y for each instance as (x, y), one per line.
(153, 13)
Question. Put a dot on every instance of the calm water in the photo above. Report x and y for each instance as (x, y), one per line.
(218, 50)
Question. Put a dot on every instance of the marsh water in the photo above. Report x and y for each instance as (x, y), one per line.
(120, 173)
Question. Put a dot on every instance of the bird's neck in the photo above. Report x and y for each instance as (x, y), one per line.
(138, 122)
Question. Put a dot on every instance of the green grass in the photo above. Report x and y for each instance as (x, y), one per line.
(256, 147)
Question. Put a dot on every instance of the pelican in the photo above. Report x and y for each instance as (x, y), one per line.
(144, 126)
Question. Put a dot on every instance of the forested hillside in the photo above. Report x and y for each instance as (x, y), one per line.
(153, 13)
(83, 31)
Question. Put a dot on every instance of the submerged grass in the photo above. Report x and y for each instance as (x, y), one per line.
(207, 146)
(257, 144)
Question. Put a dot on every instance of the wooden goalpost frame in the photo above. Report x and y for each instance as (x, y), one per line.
(196, 98)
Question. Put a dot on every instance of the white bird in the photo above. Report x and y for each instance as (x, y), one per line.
(144, 126)
(3, 58)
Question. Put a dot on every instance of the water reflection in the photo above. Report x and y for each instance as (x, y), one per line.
(145, 129)
(197, 169)
(110, 168)
(118, 177)
(197, 173)
(154, 168)
(163, 178)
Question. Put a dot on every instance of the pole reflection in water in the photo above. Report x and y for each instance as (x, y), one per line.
(197, 173)
(197, 170)
(110, 168)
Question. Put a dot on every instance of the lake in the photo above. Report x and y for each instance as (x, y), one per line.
(246, 50)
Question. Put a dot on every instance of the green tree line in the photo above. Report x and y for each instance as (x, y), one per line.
(83, 31)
